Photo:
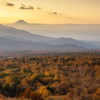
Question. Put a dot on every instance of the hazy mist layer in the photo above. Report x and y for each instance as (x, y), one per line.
(76, 31)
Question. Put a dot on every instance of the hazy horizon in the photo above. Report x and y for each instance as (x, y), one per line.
(37, 23)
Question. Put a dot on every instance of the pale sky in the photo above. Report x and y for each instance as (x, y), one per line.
(50, 11)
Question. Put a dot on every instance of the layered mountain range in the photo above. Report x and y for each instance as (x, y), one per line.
(15, 39)
(11, 44)
(87, 32)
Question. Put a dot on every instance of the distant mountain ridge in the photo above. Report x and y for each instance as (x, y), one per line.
(11, 44)
(10, 31)
(61, 41)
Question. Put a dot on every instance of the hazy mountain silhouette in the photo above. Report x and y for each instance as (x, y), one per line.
(96, 44)
(11, 44)
(61, 41)
(20, 22)
(10, 31)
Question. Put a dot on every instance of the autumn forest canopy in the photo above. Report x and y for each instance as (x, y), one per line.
(62, 76)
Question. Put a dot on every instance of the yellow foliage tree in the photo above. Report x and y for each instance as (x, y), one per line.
(22, 71)
(62, 78)
(44, 91)
(23, 81)
(56, 77)
(97, 94)
(47, 73)
(8, 81)
(51, 70)
(33, 76)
